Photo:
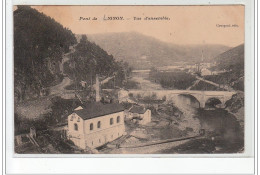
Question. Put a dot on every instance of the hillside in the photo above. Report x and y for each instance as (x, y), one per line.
(89, 59)
(143, 52)
(43, 54)
(39, 43)
(232, 60)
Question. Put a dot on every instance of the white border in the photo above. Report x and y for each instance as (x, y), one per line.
(144, 165)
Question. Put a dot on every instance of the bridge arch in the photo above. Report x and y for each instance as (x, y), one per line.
(213, 102)
(193, 100)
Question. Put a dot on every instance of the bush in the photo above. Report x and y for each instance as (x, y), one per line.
(131, 84)
(131, 95)
(231, 78)
(176, 79)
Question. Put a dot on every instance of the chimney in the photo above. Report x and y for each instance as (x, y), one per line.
(97, 89)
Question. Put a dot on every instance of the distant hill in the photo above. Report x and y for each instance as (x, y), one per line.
(143, 52)
(231, 60)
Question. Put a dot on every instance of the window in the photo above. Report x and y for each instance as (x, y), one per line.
(118, 119)
(91, 126)
(111, 121)
(99, 124)
(99, 141)
(75, 126)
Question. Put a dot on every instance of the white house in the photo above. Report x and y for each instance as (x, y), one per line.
(140, 114)
(96, 124)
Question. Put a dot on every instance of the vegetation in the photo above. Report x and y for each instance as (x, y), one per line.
(39, 42)
(142, 51)
(128, 84)
(232, 61)
(176, 80)
(90, 60)
(236, 102)
(231, 78)
(60, 109)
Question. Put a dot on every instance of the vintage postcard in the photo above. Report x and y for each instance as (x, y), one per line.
(129, 79)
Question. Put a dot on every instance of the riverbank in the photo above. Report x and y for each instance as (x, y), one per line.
(223, 134)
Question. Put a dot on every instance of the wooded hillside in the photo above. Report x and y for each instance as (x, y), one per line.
(39, 42)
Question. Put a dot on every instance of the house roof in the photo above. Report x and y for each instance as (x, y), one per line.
(137, 109)
(78, 108)
(97, 109)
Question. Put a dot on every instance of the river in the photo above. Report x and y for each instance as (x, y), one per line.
(144, 83)
(223, 131)
(223, 134)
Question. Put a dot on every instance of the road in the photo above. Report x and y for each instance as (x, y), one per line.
(35, 108)
(215, 84)
(194, 84)
(60, 88)
(66, 59)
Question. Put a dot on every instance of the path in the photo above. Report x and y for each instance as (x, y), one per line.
(152, 149)
(194, 84)
(106, 80)
(66, 59)
(60, 88)
(40, 106)
(157, 142)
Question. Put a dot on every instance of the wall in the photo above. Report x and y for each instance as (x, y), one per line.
(146, 117)
(76, 136)
(98, 136)
(107, 132)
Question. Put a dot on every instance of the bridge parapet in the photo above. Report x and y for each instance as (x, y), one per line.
(201, 96)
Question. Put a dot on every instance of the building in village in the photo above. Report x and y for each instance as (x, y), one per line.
(205, 71)
(96, 124)
(139, 114)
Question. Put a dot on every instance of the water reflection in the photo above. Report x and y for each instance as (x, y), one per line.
(222, 125)
(188, 100)
(223, 131)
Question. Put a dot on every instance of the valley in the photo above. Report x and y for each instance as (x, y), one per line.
(123, 92)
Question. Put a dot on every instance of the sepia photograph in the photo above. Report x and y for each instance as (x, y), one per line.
(129, 79)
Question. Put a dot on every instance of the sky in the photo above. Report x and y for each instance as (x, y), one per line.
(186, 24)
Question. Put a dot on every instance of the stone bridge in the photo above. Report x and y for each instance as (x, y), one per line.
(201, 96)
